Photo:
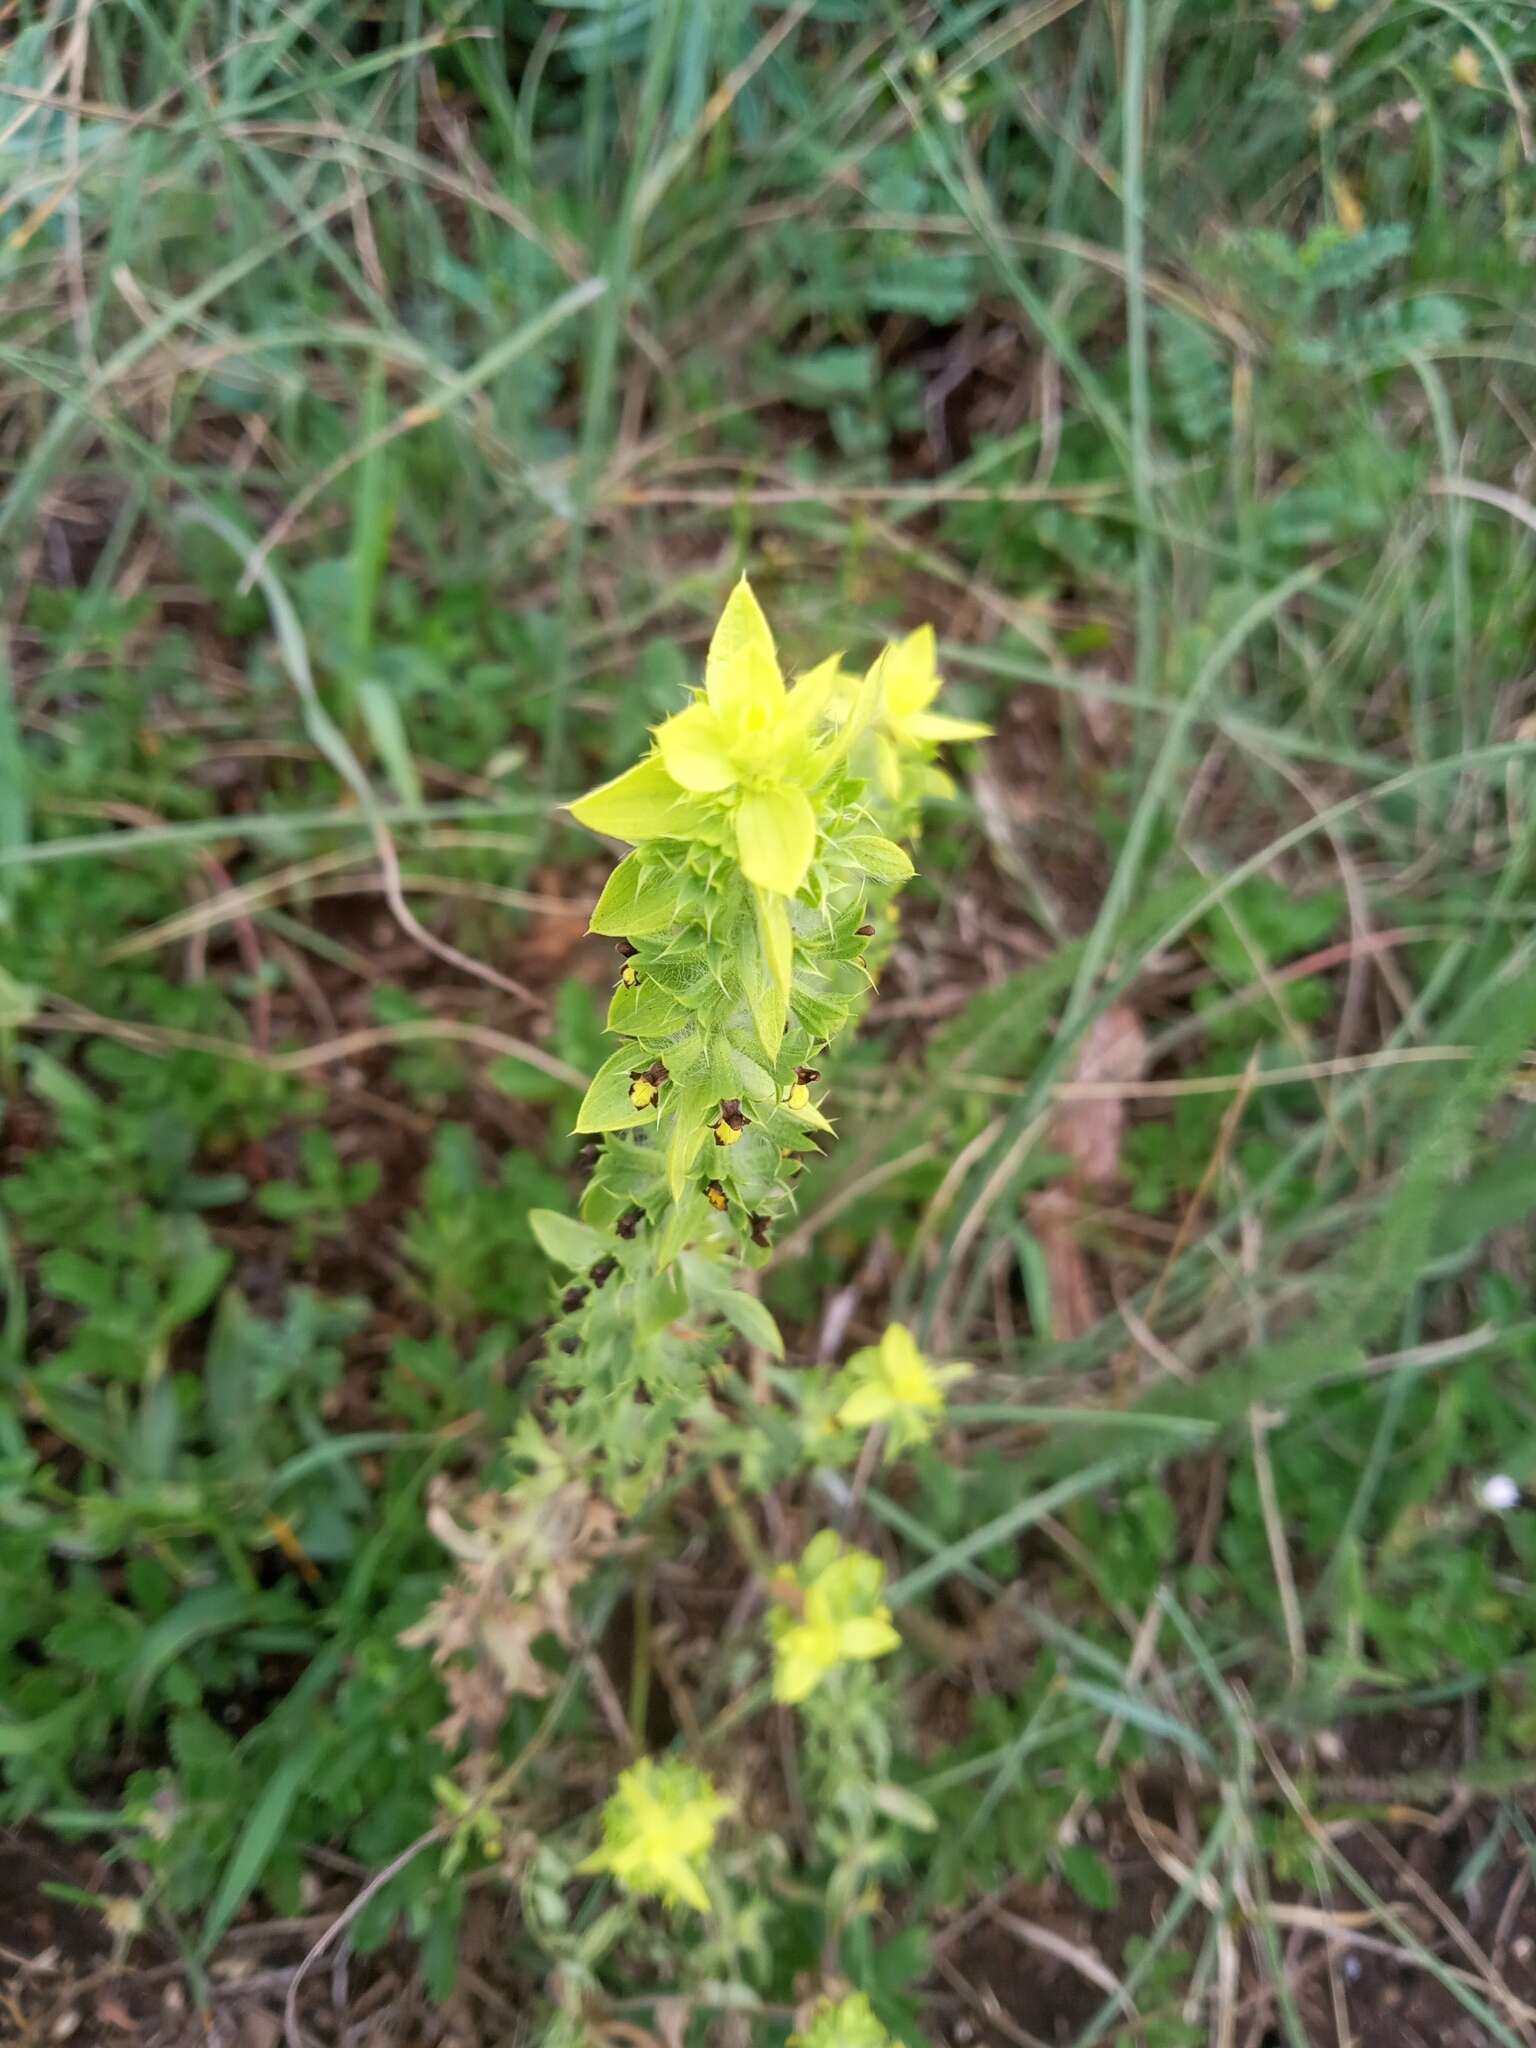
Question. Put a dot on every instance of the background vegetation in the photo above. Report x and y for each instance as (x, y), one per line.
(390, 397)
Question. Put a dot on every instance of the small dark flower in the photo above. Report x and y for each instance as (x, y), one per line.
(645, 1083)
(572, 1299)
(603, 1271)
(630, 1222)
(865, 931)
(759, 1231)
(731, 1122)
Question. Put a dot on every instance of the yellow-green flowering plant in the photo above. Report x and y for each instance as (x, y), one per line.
(830, 1613)
(761, 870)
(850, 2022)
(892, 1386)
(763, 828)
(658, 1829)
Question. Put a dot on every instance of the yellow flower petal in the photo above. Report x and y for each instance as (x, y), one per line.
(862, 1640)
(741, 671)
(812, 694)
(796, 1673)
(776, 837)
(694, 747)
(866, 1406)
(910, 675)
(681, 1881)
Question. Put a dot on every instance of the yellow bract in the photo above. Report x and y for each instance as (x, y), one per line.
(658, 1828)
(851, 2023)
(745, 755)
(909, 682)
(740, 765)
(841, 1620)
(891, 1383)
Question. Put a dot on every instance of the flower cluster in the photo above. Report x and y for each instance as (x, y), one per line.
(658, 1829)
(850, 2022)
(892, 1385)
(830, 1613)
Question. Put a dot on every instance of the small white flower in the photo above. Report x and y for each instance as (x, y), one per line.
(1498, 1494)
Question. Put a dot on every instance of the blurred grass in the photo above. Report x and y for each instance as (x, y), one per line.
(455, 361)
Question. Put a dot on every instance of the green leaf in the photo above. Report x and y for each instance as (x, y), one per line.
(211, 1611)
(881, 859)
(642, 803)
(260, 1836)
(764, 998)
(685, 1220)
(48, 1731)
(566, 1242)
(901, 1804)
(1090, 1877)
(748, 1317)
(689, 1134)
(645, 1011)
(776, 837)
(778, 943)
(606, 1105)
(386, 728)
(638, 898)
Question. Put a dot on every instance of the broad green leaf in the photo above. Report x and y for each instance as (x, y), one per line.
(776, 837)
(764, 999)
(722, 1069)
(689, 1134)
(566, 1242)
(642, 803)
(741, 670)
(687, 1218)
(638, 898)
(778, 949)
(1089, 1876)
(648, 1011)
(902, 1804)
(606, 1105)
(881, 859)
(47, 1731)
(748, 1317)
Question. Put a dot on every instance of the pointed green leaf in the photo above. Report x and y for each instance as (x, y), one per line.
(777, 940)
(881, 859)
(606, 1105)
(689, 1133)
(386, 728)
(564, 1241)
(648, 1011)
(638, 898)
(748, 1317)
